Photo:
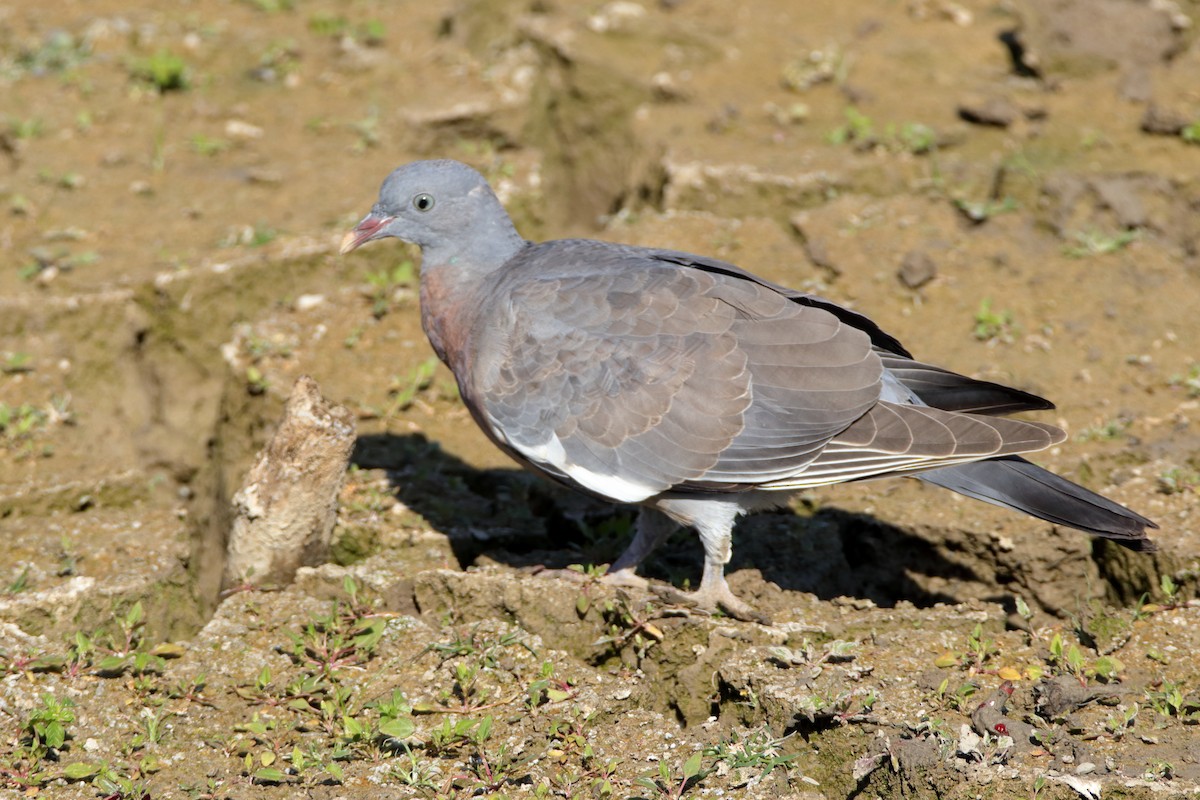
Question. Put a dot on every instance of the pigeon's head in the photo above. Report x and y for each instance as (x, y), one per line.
(431, 204)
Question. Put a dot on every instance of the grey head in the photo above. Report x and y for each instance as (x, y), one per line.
(447, 209)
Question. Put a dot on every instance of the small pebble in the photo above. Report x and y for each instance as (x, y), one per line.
(916, 270)
(239, 129)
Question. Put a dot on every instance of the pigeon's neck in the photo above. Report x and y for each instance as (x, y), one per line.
(452, 276)
(474, 253)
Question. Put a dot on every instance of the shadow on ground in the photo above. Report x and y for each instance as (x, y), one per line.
(510, 517)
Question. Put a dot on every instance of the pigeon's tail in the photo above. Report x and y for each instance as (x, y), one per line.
(1013, 482)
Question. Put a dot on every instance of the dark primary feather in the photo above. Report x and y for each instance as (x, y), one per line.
(1013, 482)
(950, 391)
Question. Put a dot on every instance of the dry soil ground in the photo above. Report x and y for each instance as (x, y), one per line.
(1012, 188)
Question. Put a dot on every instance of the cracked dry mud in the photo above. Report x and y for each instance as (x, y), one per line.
(1012, 190)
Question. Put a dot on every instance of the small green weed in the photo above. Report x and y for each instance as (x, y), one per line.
(757, 752)
(1190, 381)
(992, 325)
(15, 363)
(956, 699)
(58, 52)
(164, 71)
(860, 130)
(1097, 243)
(858, 127)
(384, 283)
(20, 422)
(1177, 480)
(671, 785)
(1105, 432)
(24, 128)
(405, 389)
(272, 6)
(208, 145)
(980, 211)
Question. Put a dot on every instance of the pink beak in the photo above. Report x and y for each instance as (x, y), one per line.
(364, 232)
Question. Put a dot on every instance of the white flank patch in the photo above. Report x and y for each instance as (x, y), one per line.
(611, 486)
(551, 453)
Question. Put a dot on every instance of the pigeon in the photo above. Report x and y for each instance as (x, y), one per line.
(694, 389)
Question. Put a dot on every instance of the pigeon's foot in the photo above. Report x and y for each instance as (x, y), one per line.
(572, 575)
(711, 597)
(626, 579)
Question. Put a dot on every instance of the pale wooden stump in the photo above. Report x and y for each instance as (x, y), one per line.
(285, 511)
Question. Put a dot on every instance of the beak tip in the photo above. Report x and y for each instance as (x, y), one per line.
(349, 242)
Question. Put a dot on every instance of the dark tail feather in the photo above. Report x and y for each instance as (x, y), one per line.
(1013, 482)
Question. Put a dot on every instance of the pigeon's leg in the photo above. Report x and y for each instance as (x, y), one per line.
(651, 530)
(713, 521)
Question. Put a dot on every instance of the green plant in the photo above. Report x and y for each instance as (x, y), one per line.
(385, 282)
(208, 145)
(1121, 721)
(328, 24)
(272, 6)
(956, 700)
(44, 731)
(671, 786)
(256, 381)
(1191, 133)
(310, 765)
(416, 774)
(992, 325)
(858, 127)
(404, 390)
(1189, 381)
(914, 137)
(1170, 701)
(25, 128)
(979, 211)
(546, 689)
(1066, 659)
(126, 650)
(455, 734)
(758, 752)
(109, 779)
(163, 70)
(1177, 480)
(1097, 243)
(346, 637)
(58, 52)
(20, 422)
(627, 628)
(1105, 432)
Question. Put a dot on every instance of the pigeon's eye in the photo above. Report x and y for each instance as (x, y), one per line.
(423, 202)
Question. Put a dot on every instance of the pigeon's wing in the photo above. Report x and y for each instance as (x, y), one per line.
(879, 337)
(631, 378)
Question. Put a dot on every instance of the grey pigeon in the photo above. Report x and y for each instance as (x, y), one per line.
(694, 389)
